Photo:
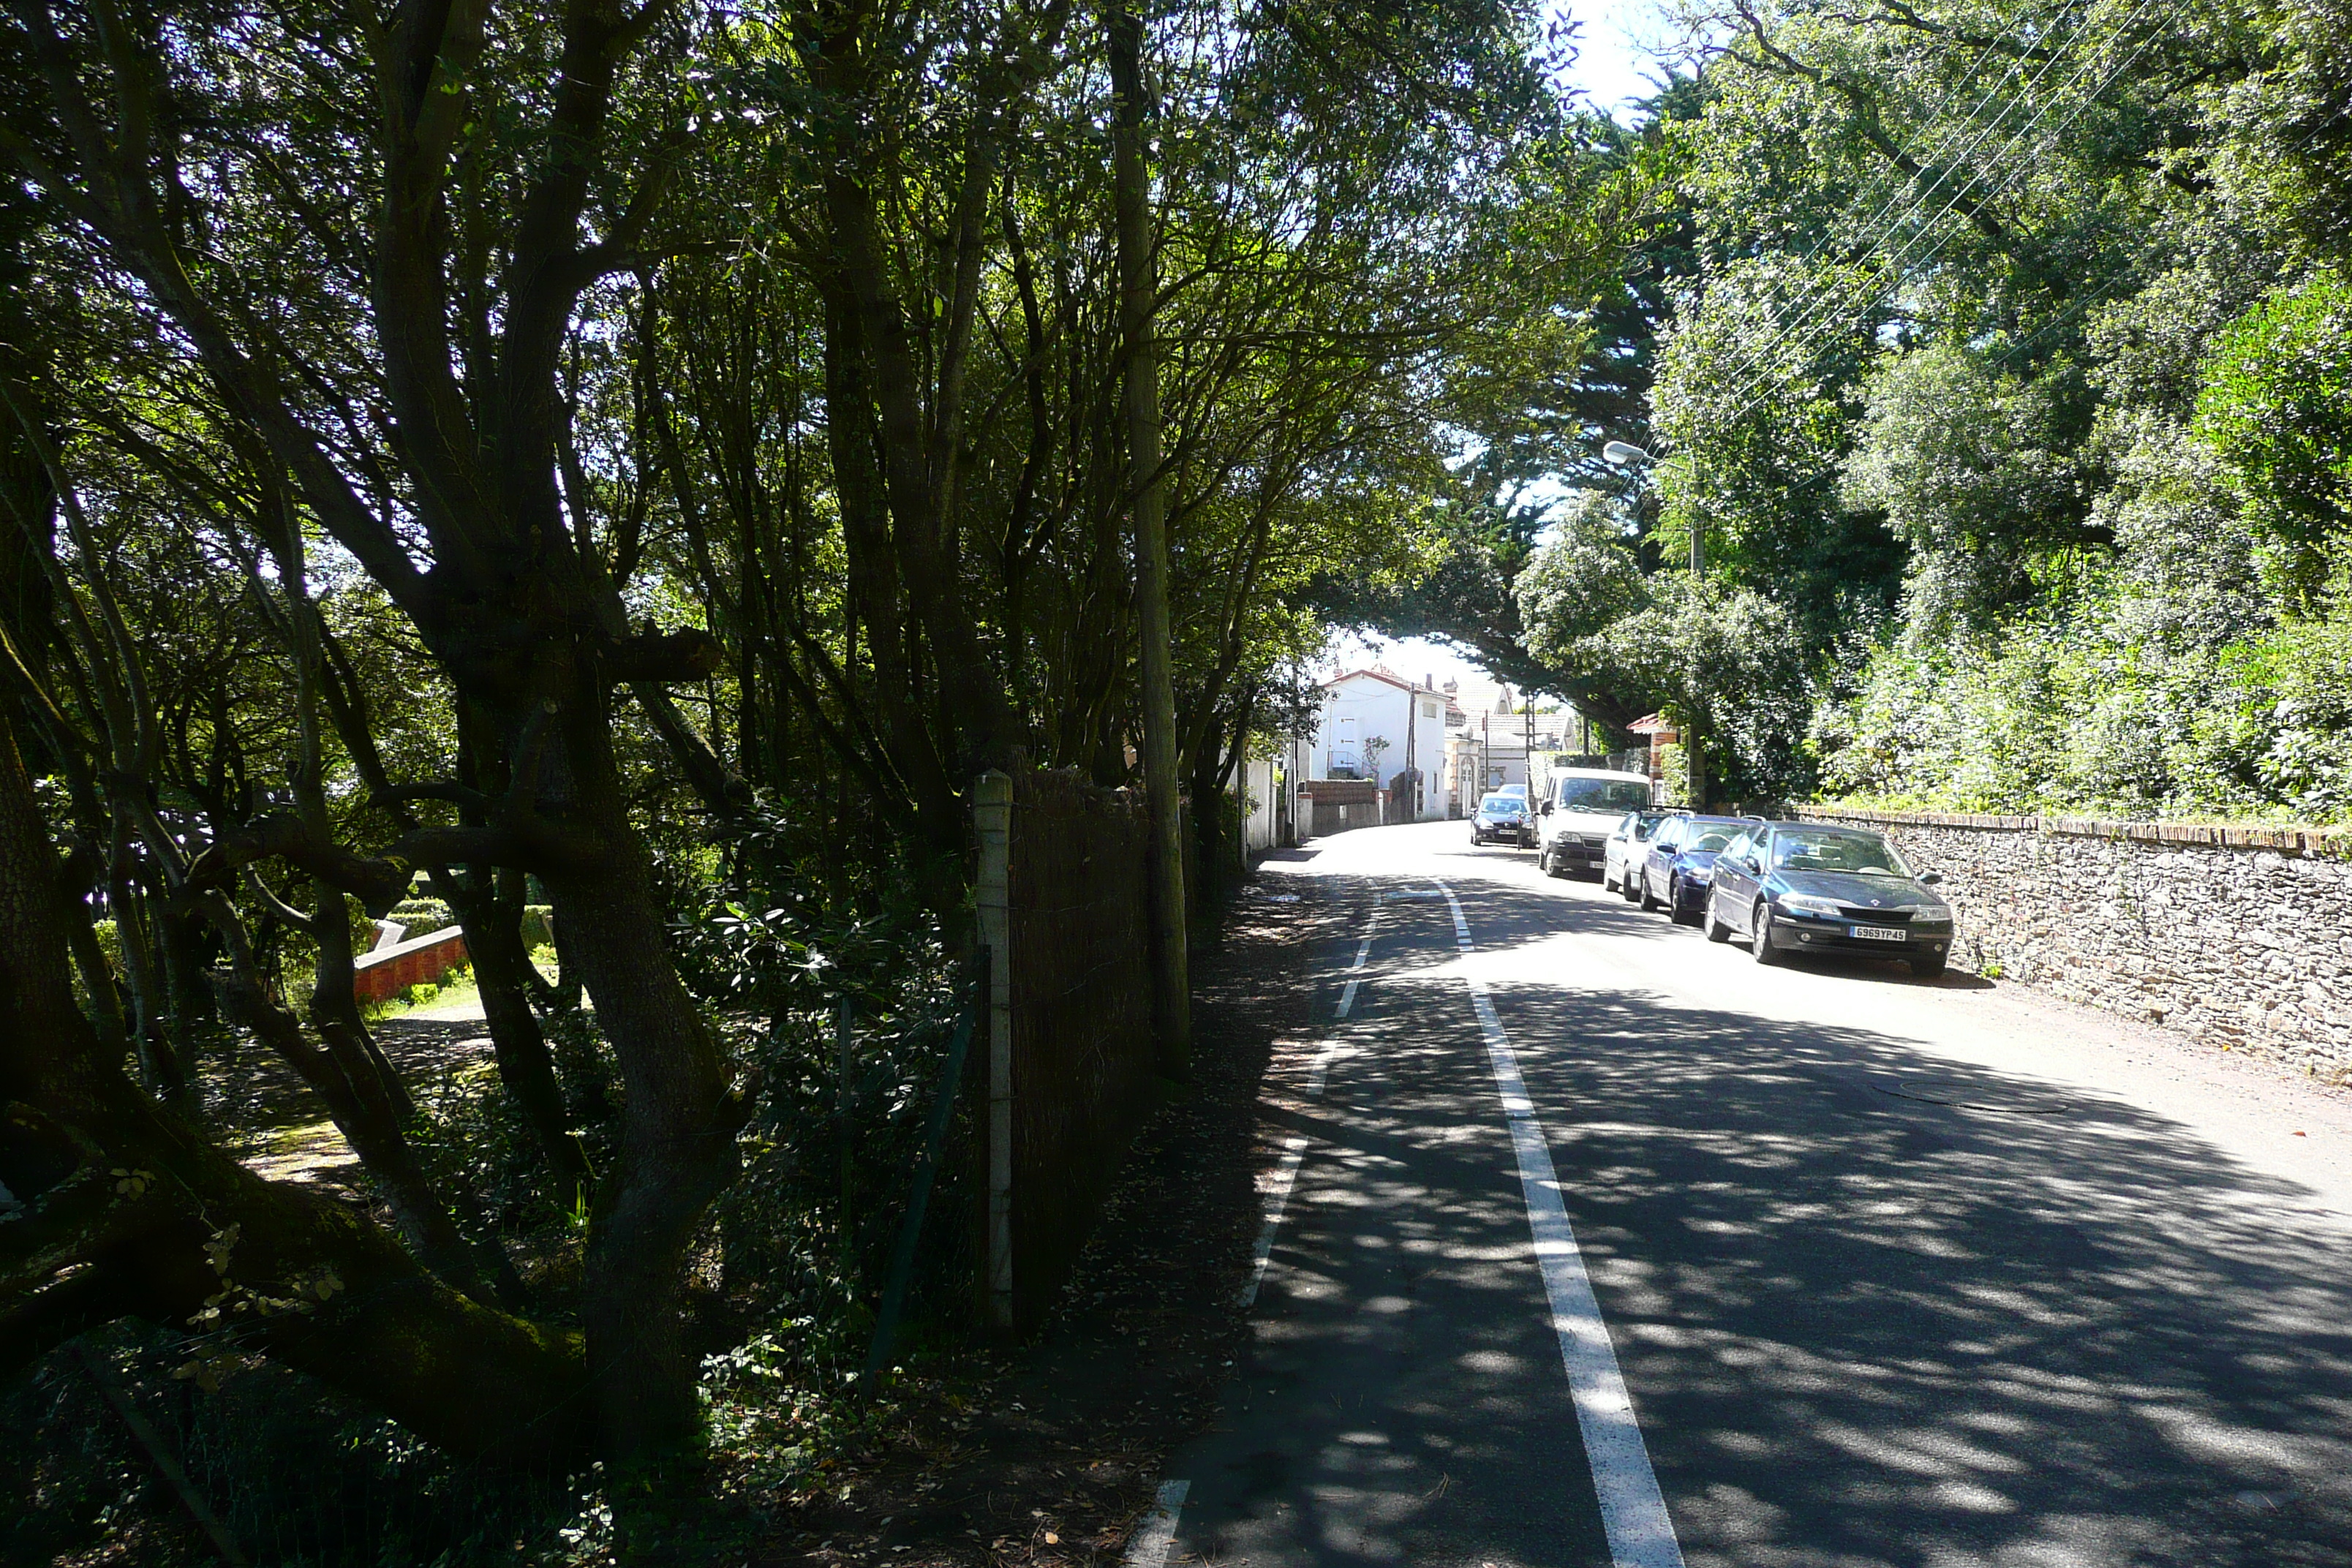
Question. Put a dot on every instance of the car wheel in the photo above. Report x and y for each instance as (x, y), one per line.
(1930, 967)
(1648, 903)
(1556, 868)
(1759, 936)
(1678, 908)
(1608, 882)
(1715, 929)
(1626, 884)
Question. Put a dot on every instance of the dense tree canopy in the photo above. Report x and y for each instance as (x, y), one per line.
(2007, 374)
(642, 463)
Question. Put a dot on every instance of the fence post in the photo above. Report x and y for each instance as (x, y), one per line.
(992, 825)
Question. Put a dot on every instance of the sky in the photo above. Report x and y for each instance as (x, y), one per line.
(1617, 45)
(1617, 49)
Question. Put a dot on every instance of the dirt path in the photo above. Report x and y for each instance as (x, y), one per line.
(287, 1135)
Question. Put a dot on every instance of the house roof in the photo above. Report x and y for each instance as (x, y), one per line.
(1651, 724)
(1376, 672)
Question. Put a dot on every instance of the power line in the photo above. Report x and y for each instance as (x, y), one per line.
(1914, 199)
(1832, 295)
(1761, 385)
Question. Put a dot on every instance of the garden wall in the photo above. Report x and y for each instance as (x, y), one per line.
(2239, 936)
(1336, 805)
(381, 975)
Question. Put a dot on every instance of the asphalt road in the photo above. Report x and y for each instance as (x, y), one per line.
(1894, 1272)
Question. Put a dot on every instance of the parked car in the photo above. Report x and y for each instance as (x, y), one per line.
(1628, 842)
(1503, 816)
(1675, 873)
(1792, 887)
(1583, 807)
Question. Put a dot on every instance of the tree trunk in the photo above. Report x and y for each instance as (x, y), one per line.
(678, 1120)
(1171, 985)
(493, 925)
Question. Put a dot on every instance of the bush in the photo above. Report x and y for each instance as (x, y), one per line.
(2082, 716)
(422, 917)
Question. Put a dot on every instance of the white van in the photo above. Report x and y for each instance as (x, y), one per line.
(1584, 807)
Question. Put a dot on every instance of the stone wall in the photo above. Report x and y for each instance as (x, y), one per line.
(2239, 936)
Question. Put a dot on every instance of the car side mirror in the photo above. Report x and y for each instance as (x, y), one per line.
(1932, 879)
(1547, 808)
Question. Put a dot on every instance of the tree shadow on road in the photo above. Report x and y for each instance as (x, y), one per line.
(1878, 1306)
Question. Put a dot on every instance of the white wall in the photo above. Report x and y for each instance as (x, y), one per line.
(1272, 795)
(1359, 707)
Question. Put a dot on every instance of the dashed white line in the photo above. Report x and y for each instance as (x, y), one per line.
(1633, 1510)
(1147, 1547)
(1363, 950)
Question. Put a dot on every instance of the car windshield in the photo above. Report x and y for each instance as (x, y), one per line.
(1836, 849)
(1600, 795)
(1710, 840)
(1498, 805)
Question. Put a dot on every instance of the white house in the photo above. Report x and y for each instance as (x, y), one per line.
(1378, 725)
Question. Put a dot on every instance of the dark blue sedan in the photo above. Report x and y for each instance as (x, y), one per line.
(1799, 887)
(1680, 867)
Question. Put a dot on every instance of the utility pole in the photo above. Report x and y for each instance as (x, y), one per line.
(1411, 712)
(1172, 981)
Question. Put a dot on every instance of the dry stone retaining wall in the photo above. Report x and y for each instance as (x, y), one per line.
(2239, 936)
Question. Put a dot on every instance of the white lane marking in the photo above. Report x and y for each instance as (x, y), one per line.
(1294, 1148)
(1363, 950)
(1633, 1510)
(1147, 1547)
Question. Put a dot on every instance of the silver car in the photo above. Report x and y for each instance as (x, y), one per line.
(1622, 858)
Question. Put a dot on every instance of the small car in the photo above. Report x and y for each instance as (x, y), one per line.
(1503, 816)
(1675, 873)
(1627, 843)
(1802, 887)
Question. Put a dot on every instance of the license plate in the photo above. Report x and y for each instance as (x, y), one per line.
(1880, 934)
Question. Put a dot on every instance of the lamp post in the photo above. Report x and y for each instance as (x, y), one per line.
(1625, 454)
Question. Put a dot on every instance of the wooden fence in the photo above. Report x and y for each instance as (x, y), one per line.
(1064, 907)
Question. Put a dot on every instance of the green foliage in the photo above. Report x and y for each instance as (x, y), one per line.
(2088, 716)
(2276, 406)
(2039, 443)
(1730, 658)
(1970, 468)
(421, 916)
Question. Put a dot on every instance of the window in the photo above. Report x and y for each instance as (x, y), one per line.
(1670, 833)
(1600, 795)
(1429, 709)
(1836, 849)
(1739, 848)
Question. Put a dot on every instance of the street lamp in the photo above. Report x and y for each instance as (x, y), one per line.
(1624, 452)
